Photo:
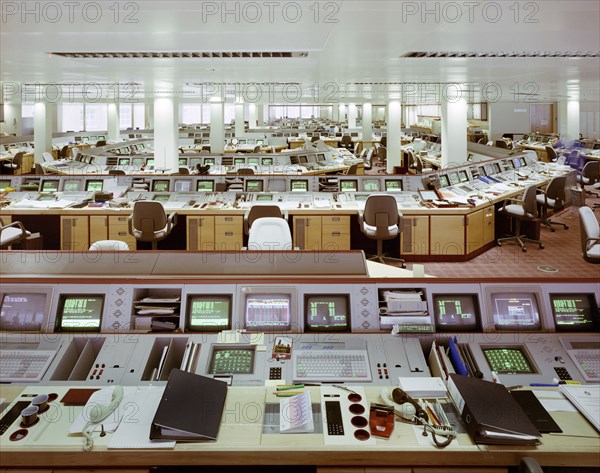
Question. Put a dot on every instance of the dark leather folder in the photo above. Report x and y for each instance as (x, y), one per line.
(190, 409)
(489, 412)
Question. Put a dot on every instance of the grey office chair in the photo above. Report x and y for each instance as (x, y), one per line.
(261, 211)
(352, 170)
(368, 158)
(590, 174)
(553, 197)
(525, 209)
(381, 220)
(420, 167)
(590, 235)
(12, 233)
(551, 154)
(270, 234)
(149, 223)
(346, 142)
(356, 146)
(382, 156)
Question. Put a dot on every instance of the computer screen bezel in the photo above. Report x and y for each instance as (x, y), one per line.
(304, 182)
(23, 290)
(345, 181)
(259, 182)
(347, 328)
(594, 324)
(49, 181)
(463, 176)
(456, 327)
(520, 348)
(89, 182)
(188, 318)
(250, 290)
(516, 292)
(221, 347)
(375, 181)
(401, 189)
(177, 182)
(60, 309)
(155, 182)
(266, 161)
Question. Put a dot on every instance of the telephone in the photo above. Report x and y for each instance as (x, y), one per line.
(408, 409)
(98, 413)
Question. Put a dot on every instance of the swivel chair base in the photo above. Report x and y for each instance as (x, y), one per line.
(548, 223)
(380, 257)
(520, 239)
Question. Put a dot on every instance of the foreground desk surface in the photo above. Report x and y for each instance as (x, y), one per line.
(241, 442)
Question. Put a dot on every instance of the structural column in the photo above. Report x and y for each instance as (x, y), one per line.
(13, 119)
(42, 129)
(217, 127)
(261, 114)
(114, 125)
(239, 120)
(352, 115)
(394, 136)
(342, 113)
(454, 131)
(166, 134)
(252, 115)
(568, 120)
(367, 122)
(149, 118)
(335, 113)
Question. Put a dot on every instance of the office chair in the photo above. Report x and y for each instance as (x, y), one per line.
(74, 153)
(355, 150)
(256, 149)
(383, 141)
(368, 158)
(39, 169)
(526, 209)
(12, 233)
(64, 152)
(381, 220)
(418, 145)
(382, 155)
(551, 154)
(481, 141)
(116, 172)
(420, 167)
(590, 174)
(261, 211)
(100, 143)
(204, 151)
(270, 233)
(590, 235)
(109, 245)
(553, 197)
(315, 138)
(183, 171)
(148, 222)
(48, 158)
(352, 170)
(501, 144)
(245, 172)
(346, 142)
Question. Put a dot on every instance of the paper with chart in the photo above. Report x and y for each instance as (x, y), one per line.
(295, 414)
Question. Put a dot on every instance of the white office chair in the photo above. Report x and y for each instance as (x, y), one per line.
(109, 245)
(418, 145)
(270, 234)
(74, 153)
(48, 158)
(12, 234)
(590, 235)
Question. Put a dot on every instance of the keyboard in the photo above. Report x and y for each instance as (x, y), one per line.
(331, 365)
(24, 365)
(587, 362)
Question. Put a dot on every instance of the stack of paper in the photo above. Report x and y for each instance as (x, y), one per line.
(424, 388)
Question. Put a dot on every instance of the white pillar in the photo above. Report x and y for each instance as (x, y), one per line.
(13, 119)
(149, 119)
(166, 134)
(42, 130)
(352, 115)
(217, 127)
(367, 122)
(568, 120)
(261, 114)
(252, 115)
(114, 132)
(454, 131)
(239, 120)
(335, 113)
(394, 132)
(342, 113)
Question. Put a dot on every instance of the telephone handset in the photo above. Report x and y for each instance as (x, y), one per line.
(98, 413)
(405, 410)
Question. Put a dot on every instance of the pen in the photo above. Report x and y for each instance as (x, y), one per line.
(287, 393)
(287, 387)
(546, 385)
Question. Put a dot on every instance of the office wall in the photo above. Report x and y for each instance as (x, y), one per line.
(508, 117)
(589, 119)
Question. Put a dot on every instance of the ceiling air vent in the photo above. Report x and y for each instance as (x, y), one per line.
(480, 54)
(182, 55)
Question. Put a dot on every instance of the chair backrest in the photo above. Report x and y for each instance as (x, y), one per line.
(383, 141)
(353, 170)
(116, 172)
(529, 202)
(551, 153)
(369, 158)
(263, 211)
(100, 143)
(74, 153)
(109, 245)
(501, 144)
(356, 146)
(591, 171)
(39, 170)
(382, 154)
(18, 158)
(561, 160)
(184, 170)
(270, 233)
(381, 211)
(256, 149)
(64, 151)
(419, 163)
(556, 190)
(589, 226)
(245, 172)
(47, 157)
(418, 144)
(148, 217)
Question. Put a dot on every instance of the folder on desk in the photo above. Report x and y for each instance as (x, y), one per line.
(190, 409)
(489, 412)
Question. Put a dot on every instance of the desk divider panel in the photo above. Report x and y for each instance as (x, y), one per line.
(78, 359)
(168, 352)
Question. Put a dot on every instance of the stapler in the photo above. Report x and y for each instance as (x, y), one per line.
(381, 420)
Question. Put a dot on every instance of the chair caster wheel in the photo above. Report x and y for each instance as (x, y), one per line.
(553, 230)
(524, 250)
(541, 247)
(566, 227)
(499, 244)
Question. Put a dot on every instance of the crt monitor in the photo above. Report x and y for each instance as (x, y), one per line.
(162, 197)
(22, 312)
(575, 312)
(326, 313)
(80, 313)
(232, 359)
(393, 185)
(49, 185)
(139, 162)
(444, 182)
(516, 163)
(302, 159)
(453, 177)
(370, 185)
(150, 162)
(516, 311)
(508, 360)
(321, 158)
(253, 161)
(183, 161)
(4, 183)
(456, 312)
(205, 185)
(239, 160)
(496, 167)
(101, 137)
(464, 177)
(70, 185)
(209, 313)
(123, 161)
(92, 185)
(209, 161)
(267, 311)
(349, 185)
(299, 185)
(253, 185)
(266, 161)
(264, 198)
(183, 185)
(160, 185)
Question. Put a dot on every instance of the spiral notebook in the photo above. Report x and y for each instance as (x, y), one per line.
(134, 429)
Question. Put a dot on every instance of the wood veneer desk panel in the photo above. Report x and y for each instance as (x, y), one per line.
(241, 442)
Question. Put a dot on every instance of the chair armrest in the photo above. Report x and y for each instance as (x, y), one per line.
(361, 218)
(130, 224)
(286, 215)
(172, 220)
(14, 224)
(590, 240)
(246, 226)
(519, 201)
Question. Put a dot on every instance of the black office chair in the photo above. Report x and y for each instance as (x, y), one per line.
(100, 143)
(149, 223)
(346, 142)
(524, 209)
(116, 172)
(553, 197)
(383, 141)
(64, 152)
(551, 154)
(501, 144)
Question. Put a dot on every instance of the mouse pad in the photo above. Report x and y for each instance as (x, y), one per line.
(77, 396)
(537, 414)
